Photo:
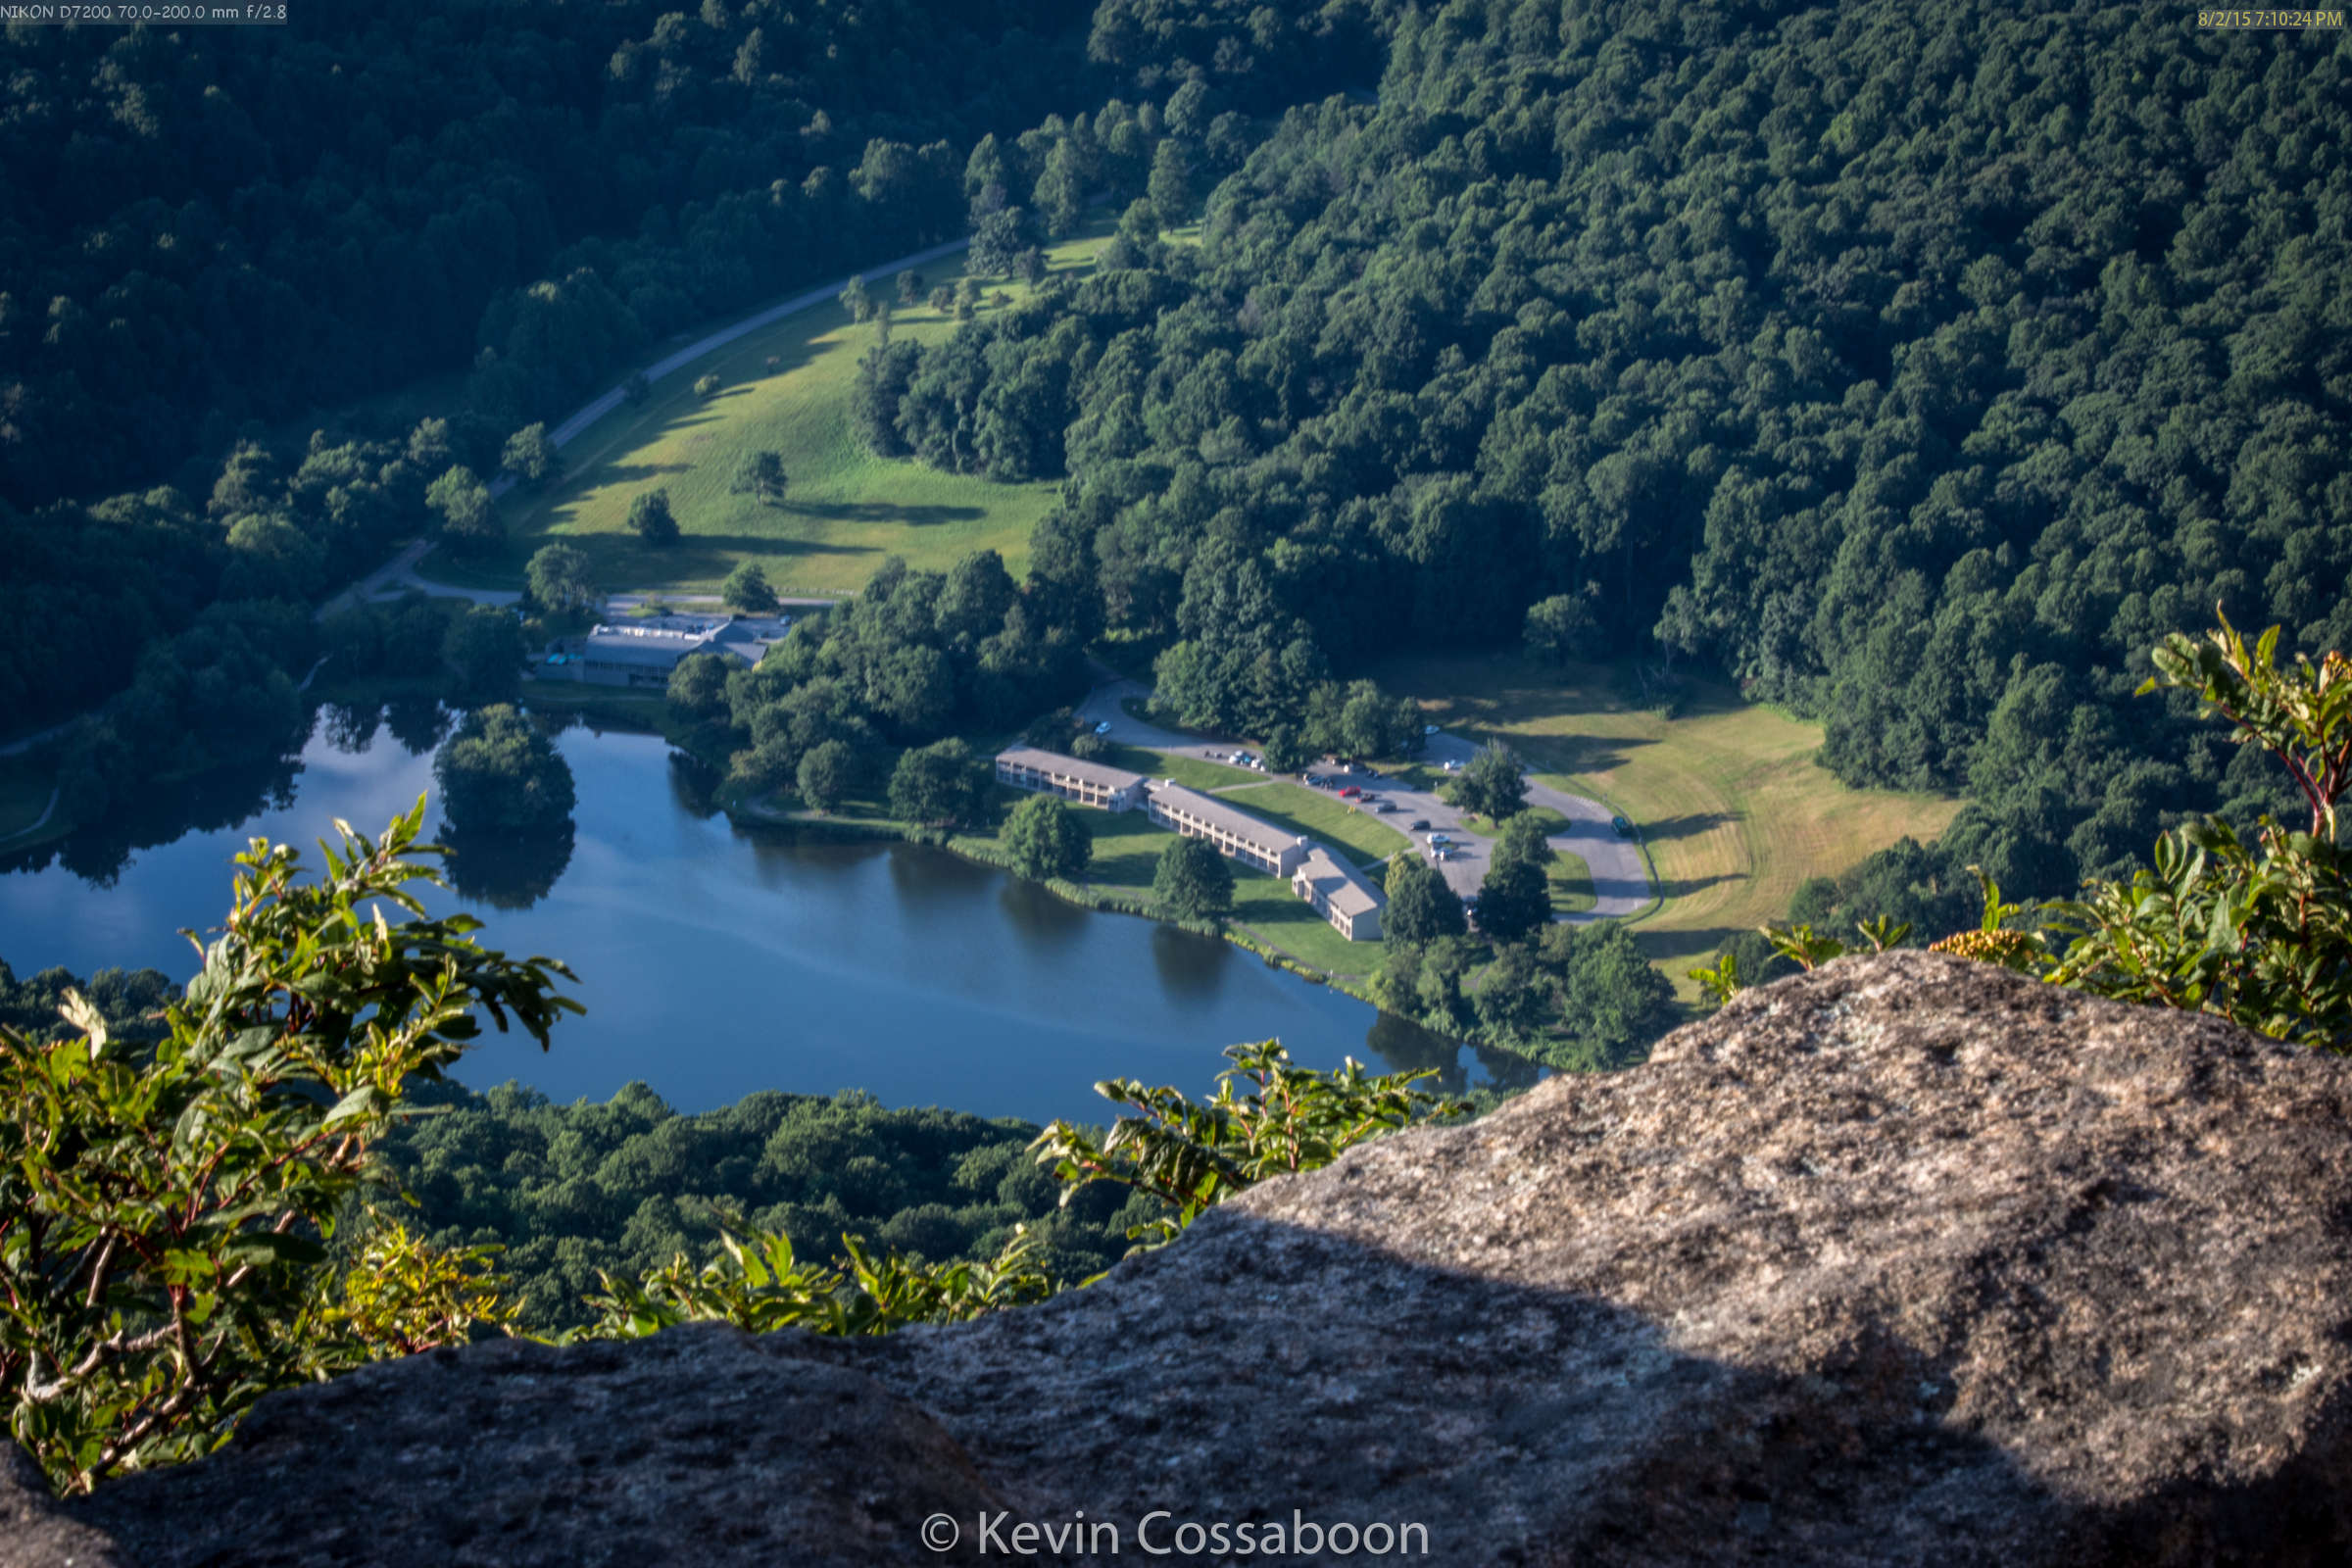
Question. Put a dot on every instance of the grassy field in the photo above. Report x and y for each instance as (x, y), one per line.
(1190, 771)
(1728, 801)
(1571, 883)
(845, 511)
(1318, 815)
(1127, 846)
(26, 785)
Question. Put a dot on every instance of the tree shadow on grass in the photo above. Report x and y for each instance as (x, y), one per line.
(632, 473)
(1689, 825)
(883, 512)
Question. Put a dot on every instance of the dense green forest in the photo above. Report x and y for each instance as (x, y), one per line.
(1919, 371)
(207, 235)
(624, 1184)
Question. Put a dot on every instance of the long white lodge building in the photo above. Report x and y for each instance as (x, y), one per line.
(1319, 876)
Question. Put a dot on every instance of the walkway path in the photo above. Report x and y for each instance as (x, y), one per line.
(1620, 881)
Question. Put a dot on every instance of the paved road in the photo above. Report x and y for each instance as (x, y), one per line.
(1620, 880)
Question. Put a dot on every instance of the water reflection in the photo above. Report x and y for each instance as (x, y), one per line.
(1191, 966)
(350, 727)
(507, 871)
(694, 785)
(1049, 923)
(418, 723)
(717, 960)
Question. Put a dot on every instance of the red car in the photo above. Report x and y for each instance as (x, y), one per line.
(1349, 793)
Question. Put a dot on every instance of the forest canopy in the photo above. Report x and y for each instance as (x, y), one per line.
(1919, 371)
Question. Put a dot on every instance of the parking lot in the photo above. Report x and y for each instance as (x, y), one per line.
(1620, 879)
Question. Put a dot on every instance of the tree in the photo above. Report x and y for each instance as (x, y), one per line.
(1514, 900)
(1524, 837)
(760, 474)
(698, 687)
(1285, 751)
(856, 299)
(500, 775)
(1490, 784)
(1029, 265)
(468, 517)
(171, 1206)
(1193, 882)
(531, 456)
(827, 774)
(1171, 187)
(747, 589)
(484, 649)
(707, 387)
(939, 785)
(1060, 196)
(967, 297)
(1047, 841)
(1514, 996)
(650, 517)
(559, 579)
(1612, 998)
(910, 287)
(1421, 906)
(1562, 628)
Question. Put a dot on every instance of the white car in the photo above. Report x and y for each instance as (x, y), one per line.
(1429, 729)
(1103, 728)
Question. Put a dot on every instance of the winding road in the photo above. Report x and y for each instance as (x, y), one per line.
(1620, 881)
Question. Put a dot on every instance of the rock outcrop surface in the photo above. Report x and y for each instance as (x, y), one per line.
(1905, 1260)
(702, 1444)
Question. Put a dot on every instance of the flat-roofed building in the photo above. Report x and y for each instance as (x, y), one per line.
(1339, 894)
(1113, 789)
(1233, 831)
(643, 652)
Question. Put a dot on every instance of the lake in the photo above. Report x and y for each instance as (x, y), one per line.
(716, 960)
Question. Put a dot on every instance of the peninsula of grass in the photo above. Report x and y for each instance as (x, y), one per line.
(26, 785)
(1299, 811)
(1571, 883)
(785, 389)
(1730, 803)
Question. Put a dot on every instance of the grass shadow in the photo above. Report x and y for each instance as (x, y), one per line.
(1689, 825)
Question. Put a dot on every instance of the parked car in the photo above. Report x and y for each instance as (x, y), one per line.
(1429, 729)
(1453, 767)
(1418, 824)
(1439, 838)
(1103, 728)
(1350, 793)
(1621, 827)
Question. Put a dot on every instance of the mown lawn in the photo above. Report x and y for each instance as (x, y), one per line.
(1127, 847)
(845, 511)
(1571, 883)
(1730, 803)
(1316, 816)
(26, 785)
(1190, 771)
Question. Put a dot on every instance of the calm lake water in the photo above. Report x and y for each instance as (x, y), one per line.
(715, 960)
